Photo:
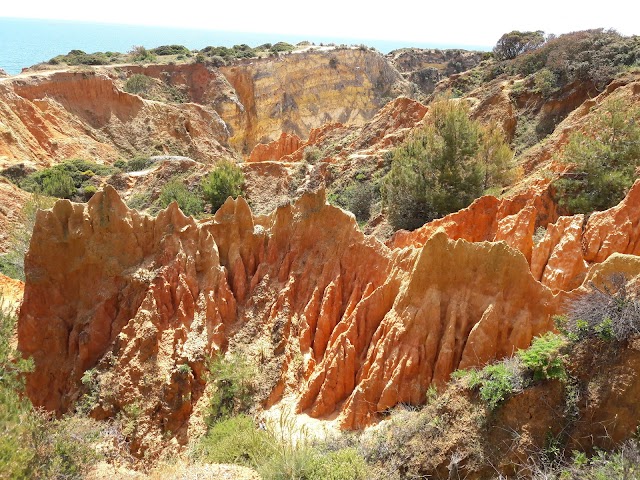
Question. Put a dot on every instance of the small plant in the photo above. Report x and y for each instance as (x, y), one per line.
(235, 440)
(233, 377)
(225, 180)
(610, 312)
(312, 155)
(176, 191)
(184, 369)
(138, 84)
(544, 357)
(141, 54)
(495, 382)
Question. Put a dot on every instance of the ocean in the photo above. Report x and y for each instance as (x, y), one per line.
(25, 42)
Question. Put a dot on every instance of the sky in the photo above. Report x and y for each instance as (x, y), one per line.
(460, 22)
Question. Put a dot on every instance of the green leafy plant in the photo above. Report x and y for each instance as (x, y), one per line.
(176, 191)
(443, 167)
(138, 84)
(495, 382)
(608, 312)
(233, 377)
(225, 180)
(12, 262)
(545, 358)
(603, 158)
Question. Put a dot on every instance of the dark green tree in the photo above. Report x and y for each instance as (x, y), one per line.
(603, 158)
(444, 166)
(224, 181)
(514, 43)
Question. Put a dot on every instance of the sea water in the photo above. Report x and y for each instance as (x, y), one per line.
(26, 42)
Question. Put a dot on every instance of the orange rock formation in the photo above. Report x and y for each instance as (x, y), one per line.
(375, 326)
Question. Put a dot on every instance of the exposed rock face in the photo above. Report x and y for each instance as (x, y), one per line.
(278, 95)
(276, 150)
(65, 114)
(427, 67)
(374, 327)
(570, 245)
(12, 200)
(11, 292)
(50, 116)
(561, 260)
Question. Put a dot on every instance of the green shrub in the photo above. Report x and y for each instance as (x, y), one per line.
(345, 464)
(282, 47)
(65, 179)
(443, 167)
(170, 50)
(138, 84)
(225, 180)
(233, 376)
(58, 184)
(136, 164)
(495, 382)
(312, 155)
(141, 54)
(609, 312)
(544, 357)
(176, 191)
(235, 440)
(604, 159)
(12, 262)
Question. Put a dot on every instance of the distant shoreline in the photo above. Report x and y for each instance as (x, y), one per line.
(27, 42)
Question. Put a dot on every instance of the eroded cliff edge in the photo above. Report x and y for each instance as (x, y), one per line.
(348, 324)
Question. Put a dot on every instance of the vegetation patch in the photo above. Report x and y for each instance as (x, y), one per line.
(442, 168)
(224, 181)
(603, 159)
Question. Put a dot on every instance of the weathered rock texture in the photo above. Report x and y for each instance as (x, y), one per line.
(11, 292)
(279, 95)
(58, 115)
(561, 258)
(54, 115)
(352, 325)
(426, 68)
(12, 201)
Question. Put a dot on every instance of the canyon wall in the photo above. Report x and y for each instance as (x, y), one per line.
(350, 325)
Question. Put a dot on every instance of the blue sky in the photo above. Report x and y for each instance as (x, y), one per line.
(456, 22)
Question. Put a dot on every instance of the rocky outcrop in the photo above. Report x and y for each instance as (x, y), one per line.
(562, 258)
(374, 327)
(11, 291)
(276, 150)
(278, 94)
(426, 67)
(59, 115)
(569, 245)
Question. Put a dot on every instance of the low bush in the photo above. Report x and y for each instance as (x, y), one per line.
(176, 191)
(495, 382)
(138, 84)
(610, 312)
(544, 358)
(139, 53)
(66, 179)
(12, 262)
(603, 160)
(224, 181)
(170, 50)
(235, 440)
(135, 164)
(233, 377)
